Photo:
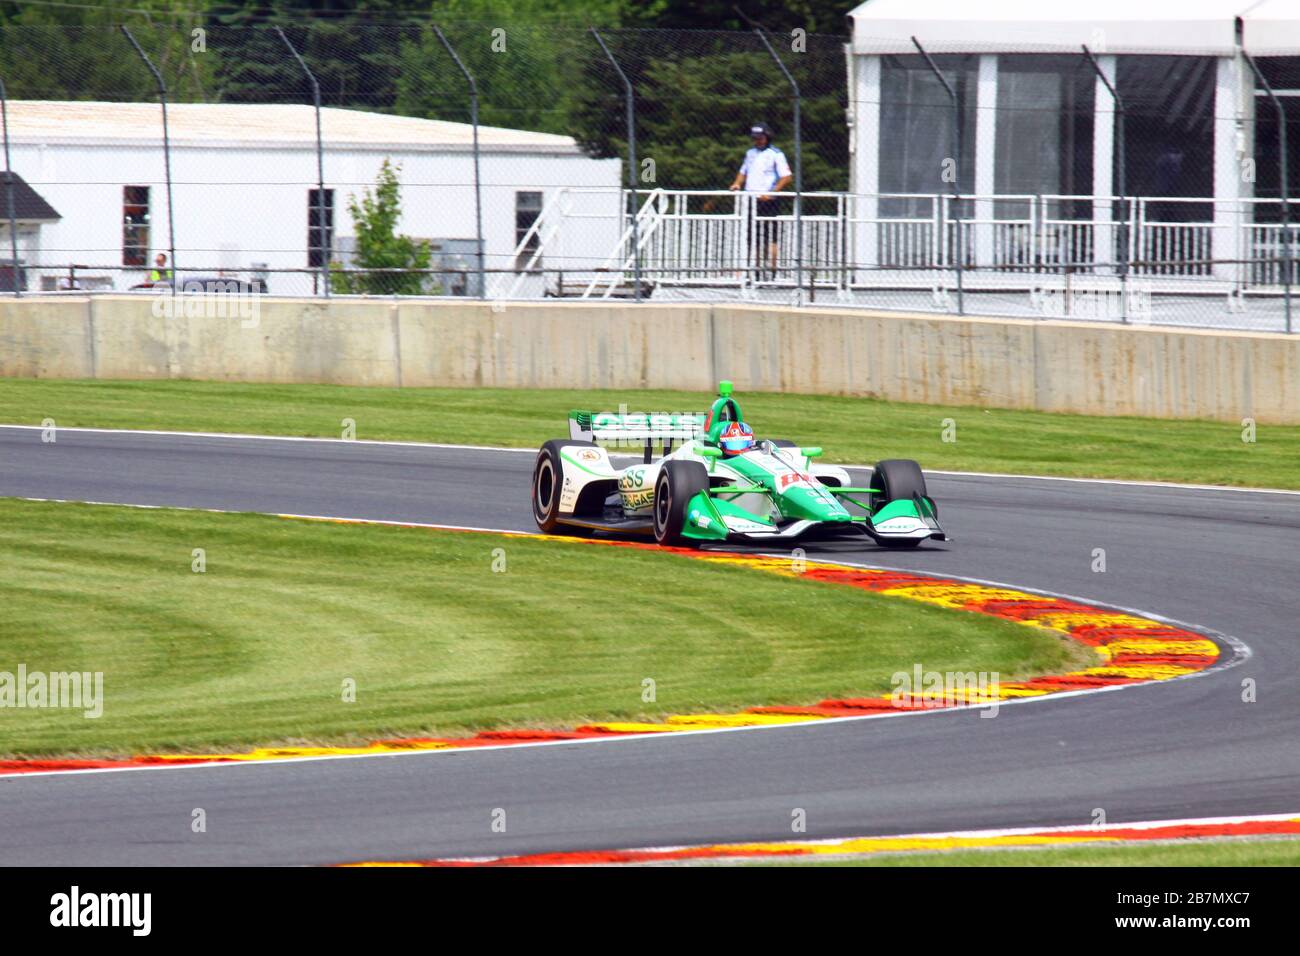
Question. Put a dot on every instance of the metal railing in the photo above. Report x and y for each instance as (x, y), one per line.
(1184, 261)
(723, 245)
(715, 237)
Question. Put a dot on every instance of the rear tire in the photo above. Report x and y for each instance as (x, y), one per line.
(548, 480)
(677, 484)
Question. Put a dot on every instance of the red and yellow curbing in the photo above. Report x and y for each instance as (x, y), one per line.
(1129, 649)
(1279, 825)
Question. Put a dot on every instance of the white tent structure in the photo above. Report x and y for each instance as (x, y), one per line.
(1193, 27)
(1038, 134)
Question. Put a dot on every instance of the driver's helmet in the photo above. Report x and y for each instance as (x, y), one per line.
(736, 438)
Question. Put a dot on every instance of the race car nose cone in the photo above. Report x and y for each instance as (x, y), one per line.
(803, 502)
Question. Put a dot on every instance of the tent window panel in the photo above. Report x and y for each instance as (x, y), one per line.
(917, 133)
(1283, 75)
(1169, 132)
(1044, 130)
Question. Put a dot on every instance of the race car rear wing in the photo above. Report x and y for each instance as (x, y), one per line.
(636, 428)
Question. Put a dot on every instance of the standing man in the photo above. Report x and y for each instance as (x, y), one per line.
(160, 272)
(764, 172)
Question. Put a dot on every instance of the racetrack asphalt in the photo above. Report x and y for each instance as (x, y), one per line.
(1221, 560)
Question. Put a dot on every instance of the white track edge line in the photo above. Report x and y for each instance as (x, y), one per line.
(1182, 486)
(245, 437)
(942, 835)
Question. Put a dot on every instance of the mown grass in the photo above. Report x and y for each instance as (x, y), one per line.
(854, 430)
(256, 649)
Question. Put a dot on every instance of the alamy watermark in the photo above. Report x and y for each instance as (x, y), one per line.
(74, 690)
(1133, 302)
(75, 908)
(226, 299)
(923, 689)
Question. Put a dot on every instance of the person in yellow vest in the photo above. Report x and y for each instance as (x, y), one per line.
(160, 272)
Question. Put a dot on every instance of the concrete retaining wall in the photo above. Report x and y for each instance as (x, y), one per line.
(1008, 363)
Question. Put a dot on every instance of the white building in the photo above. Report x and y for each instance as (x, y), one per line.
(30, 212)
(1038, 128)
(244, 180)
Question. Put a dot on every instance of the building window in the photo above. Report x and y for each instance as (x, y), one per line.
(135, 225)
(528, 206)
(320, 227)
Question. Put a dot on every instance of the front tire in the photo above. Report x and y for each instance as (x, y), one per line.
(678, 483)
(897, 478)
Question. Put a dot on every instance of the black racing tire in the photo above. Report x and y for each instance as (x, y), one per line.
(897, 478)
(548, 479)
(677, 484)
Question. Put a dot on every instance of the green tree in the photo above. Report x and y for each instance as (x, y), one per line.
(694, 108)
(375, 216)
(77, 52)
(814, 16)
(353, 56)
(524, 54)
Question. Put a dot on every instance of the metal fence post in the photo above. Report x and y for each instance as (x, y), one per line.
(325, 232)
(629, 103)
(167, 155)
(9, 191)
(1284, 186)
(956, 179)
(798, 158)
(478, 195)
(1119, 178)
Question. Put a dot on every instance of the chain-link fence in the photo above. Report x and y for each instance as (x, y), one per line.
(1036, 184)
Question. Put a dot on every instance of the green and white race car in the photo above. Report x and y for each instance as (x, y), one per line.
(719, 484)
